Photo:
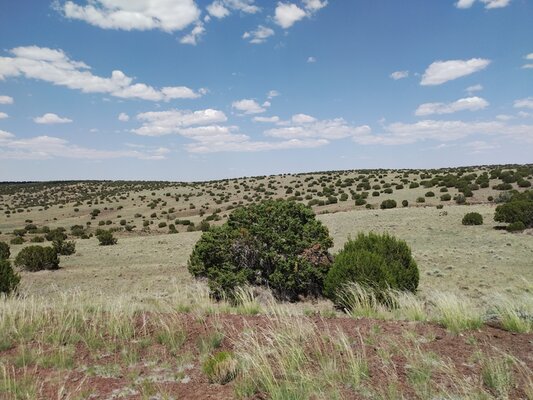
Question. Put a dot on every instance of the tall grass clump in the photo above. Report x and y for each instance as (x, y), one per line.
(294, 358)
(515, 313)
(455, 313)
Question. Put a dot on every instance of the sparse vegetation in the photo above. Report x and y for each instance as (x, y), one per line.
(102, 316)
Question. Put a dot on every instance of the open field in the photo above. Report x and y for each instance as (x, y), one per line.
(129, 321)
(473, 260)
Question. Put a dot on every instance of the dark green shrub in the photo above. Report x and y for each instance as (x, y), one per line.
(518, 208)
(9, 279)
(503, 186)
(524, 183)
(360, 202)
(429, 194)
(5, 253)
(413, 185)
(472, 218)
(106, 238)
(276, 243)
(460, 199)
(517, 226)
(64, 248)
(405, 203)
(162, 224)
(375, 194)
(446, 197)
(36, 258)
(37, 239)
(17, 240)
(420, 199)
(376, 261)
(19, 232)
(204, 226)
(56, 234)
(388, 204)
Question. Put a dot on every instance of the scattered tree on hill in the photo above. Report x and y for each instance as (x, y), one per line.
(279, 244)
(36, 258)
(9, 279)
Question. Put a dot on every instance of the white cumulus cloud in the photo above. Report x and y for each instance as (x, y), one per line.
(217, 9)
(168, 16)
(3, 115)
(469, 103)
(51, 118)
(123, 117)
(158, 123)
(258, 36)
(286, 14)
(440, 72)
(248, 106)
(193, 37)
(6, 99)
(54, 66)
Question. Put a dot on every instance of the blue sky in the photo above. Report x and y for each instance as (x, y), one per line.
(196, 90)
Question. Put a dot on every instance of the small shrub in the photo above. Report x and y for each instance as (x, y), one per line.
(9, 279)
(5, 253)
(405, 203)
(517, 226)
(37, 239)
(472, 218)
(56, 234)
(446, 197)
(64, 248)
(460, 199)
(388, 204)
(17, 240)
(37, 258)
(221, 368)
(420, 200)
(106, 238)
(429, 194)
(378, 262)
